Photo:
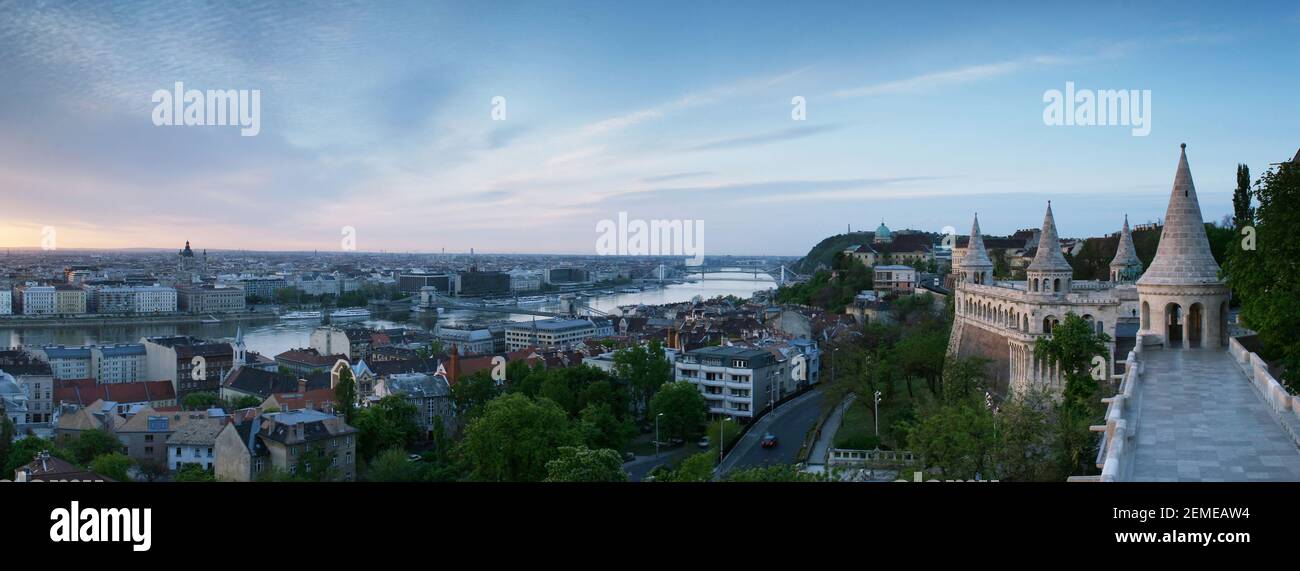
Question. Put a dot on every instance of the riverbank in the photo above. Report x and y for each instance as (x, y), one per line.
(35, 321)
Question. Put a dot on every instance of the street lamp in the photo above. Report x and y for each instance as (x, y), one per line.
(877, 415)
(721, 442)
(657, 434)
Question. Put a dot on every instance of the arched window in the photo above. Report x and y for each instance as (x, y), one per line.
(1056, 284)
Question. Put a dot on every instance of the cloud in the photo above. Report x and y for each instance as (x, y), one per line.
(786, 134)
(947, 78)
(675, 176)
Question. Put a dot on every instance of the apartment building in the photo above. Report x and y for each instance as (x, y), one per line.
(120, 363)
(191, 364)
(33, 299)
(69, 299)
(210, 299)
(286, 441)
(736, 381)
(554, 333)
(68, 362)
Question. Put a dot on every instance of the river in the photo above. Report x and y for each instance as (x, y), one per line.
(272, 336)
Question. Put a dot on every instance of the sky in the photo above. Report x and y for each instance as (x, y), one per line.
(379, 117)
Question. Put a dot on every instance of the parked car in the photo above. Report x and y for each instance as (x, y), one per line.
(414, 457)
(768, 441)
(704, 443)
(629, 456)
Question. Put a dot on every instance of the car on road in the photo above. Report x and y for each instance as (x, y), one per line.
(414, 458)
(768, 441)
(704, 443)
(629, 456)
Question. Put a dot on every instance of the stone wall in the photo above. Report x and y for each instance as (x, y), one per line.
(977, 342)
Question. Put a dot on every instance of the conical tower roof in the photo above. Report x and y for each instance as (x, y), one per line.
(1126, 254)
(1049, 257)
(1183, 257)
(976, 256)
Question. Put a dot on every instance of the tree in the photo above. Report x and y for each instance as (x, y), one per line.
(194, 473)
(114, 465)
(25, 449)
(345, 395)
(1072, 346)
(151, 470)
(773, 473)
(91, 443)
(581, 464)
(7, 431)
(695, 468)
(392, 465)
(389, 423)
(246, 401)
(955, 437)
(1023, 434)
(644, 368)
(472, 393)
(682, 407)
(1266, 278)
(514, 438)
(601, 428)
(200, 401)
(1242, 214)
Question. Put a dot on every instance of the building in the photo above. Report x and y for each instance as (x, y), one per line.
(191, 364)
(151, 299)
(194, 443)
(430, 393)
(894, 280)
(69, 299)
(262, 288)
(480, 341)
(736, 381)
(887, 247)
(412, 283)
(34, 377)
(146, 432)
(210, 299)
(286, 441)
(123, 397)
(352, 343)
(262, 384)
(68, 362)
(477, 283)
(307, 361)
(525, 280)
(13, 400)
(553, 333)
(33, 299)
(6, 302)
(120, 363)
(568, 275)
(1178, 301)
(46, 468)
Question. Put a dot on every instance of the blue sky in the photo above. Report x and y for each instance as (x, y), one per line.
(378, 116)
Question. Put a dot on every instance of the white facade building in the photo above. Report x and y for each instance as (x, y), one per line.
(6, 302)
(38, 300)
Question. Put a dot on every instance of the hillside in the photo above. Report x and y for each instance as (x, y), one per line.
(824, 252)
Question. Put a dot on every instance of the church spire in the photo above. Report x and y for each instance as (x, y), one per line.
(1049, 256)
(1183, 256)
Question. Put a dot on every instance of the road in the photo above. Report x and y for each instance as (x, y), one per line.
(789, 423)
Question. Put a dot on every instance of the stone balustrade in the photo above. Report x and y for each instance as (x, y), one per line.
(1121, 424)
(1284, 406)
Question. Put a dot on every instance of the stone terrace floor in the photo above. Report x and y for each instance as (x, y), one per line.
(1200, 420)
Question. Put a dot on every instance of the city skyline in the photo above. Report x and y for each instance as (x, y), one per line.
(382, 120)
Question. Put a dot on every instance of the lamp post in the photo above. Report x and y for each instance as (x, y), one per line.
(721, 426)
(877, 415)
(657, 434)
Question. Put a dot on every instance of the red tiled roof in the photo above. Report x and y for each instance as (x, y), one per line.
(82, 392)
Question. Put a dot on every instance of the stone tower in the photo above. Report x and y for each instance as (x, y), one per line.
(1184, 303)
(1126, 266)
(975, 266)
(1049, 274)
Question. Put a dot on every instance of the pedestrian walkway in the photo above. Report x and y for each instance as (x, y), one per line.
(826, 436)
(1199, 419)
